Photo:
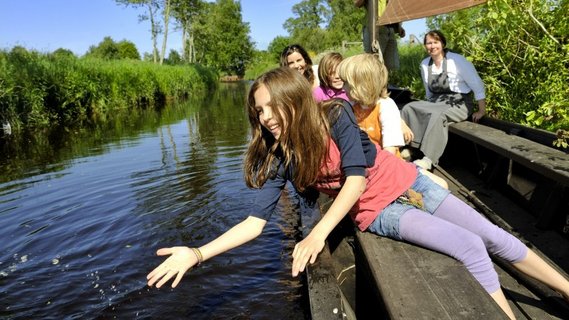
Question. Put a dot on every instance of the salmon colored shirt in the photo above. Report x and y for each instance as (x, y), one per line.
(389, 178)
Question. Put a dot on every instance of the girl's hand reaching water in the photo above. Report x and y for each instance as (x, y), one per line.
(181, 259)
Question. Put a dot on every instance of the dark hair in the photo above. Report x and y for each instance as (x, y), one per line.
(308, 73)
(437, 35)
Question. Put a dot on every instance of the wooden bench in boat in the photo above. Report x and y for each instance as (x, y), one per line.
(547, 191)
(415, 283)
(547, 161)
(395, 280)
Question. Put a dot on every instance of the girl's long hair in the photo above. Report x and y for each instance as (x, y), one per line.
(303, 141)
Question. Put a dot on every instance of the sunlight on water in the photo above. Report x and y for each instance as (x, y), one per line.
(82, 222)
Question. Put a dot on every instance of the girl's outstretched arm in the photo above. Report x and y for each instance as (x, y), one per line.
(310, 247)
(181, 259)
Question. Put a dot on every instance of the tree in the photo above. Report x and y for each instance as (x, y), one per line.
(110, 50)
(186, 12)
(166, 19)
(63, 53)
(306, 29)
(156, 27)
(106, 49)
(174, 57)
(321, 24)
(128, 50)
(229, 52)
(345, 23)
(277, 46)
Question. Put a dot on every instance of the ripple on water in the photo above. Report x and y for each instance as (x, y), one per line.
(80, 235)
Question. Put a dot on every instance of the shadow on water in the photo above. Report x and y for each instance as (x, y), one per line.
(84, 211)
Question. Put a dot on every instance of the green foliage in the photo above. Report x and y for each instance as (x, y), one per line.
(61, 53)
(185, 12)
(42, 89)
(228, 52)
(108, 49)
(174, 58)
(262, 61)
(345, 23)
(409, 73)
(128, 50)
(277, 46)
(521, 50)
(307, 28)
(321, 24)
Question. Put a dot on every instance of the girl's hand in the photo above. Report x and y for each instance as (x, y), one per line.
(407, 133)
(304, 251)
(181, 260)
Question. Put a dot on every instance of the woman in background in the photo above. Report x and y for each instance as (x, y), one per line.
(450, 81)
(295, 57)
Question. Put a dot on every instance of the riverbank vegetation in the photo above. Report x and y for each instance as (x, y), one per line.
(520, 49)
(38, 89)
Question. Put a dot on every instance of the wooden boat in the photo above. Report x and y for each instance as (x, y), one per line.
(508, 172)
(360, 275)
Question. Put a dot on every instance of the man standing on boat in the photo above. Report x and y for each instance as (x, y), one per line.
(384, 39)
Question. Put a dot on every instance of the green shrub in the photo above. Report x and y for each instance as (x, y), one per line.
(42, 89)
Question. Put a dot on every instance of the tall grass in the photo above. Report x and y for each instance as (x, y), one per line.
(409, 73)
(38, 89)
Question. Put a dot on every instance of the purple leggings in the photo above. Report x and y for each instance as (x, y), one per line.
(461, 232)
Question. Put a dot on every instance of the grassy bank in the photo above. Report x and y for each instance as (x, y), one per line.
(38, 89)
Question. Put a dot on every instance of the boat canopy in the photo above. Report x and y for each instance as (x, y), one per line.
(403, 10)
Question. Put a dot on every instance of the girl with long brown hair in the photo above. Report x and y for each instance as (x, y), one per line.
(323, 149)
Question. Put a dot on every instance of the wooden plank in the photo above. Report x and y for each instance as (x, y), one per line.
(415, 283)
(540, 136)
(524, 303)
(410, 282)
(528, 298)
(549, 162)
(324, 294)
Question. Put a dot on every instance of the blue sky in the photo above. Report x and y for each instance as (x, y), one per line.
(46, 25)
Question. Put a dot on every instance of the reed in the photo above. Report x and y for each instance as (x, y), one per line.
(38, 89)
(409, 73)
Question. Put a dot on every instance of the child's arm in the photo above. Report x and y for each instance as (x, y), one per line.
(181, 259)
(310, 247)
(391, 130)
(408, 135)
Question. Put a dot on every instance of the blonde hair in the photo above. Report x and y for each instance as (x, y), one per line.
(303, 139)
(366, 77)
(328, 64)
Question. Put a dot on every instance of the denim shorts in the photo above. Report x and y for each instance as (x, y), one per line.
(387, 222)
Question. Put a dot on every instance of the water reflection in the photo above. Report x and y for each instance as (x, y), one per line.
(84, 210)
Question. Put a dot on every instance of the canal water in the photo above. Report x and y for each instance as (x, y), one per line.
(83, 212)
